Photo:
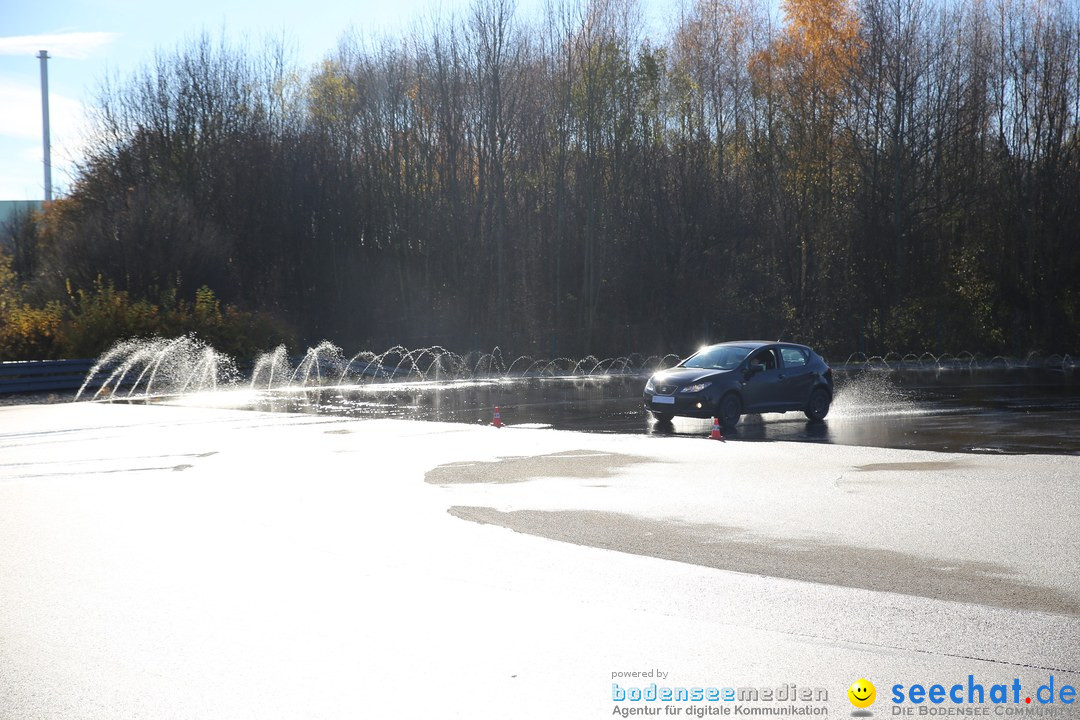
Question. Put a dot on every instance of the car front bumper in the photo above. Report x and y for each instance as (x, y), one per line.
(684, 405)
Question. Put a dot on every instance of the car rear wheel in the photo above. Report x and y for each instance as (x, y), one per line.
(729, 411)
(818, 406)
(662, 417)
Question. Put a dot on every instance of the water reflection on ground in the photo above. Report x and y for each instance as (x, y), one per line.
(1002, 411)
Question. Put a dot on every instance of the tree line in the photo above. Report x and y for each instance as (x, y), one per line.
(861, 175)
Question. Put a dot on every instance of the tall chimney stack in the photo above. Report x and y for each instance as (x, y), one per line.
(44, 57)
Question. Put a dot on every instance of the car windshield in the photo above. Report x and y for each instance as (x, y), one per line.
(719, 357)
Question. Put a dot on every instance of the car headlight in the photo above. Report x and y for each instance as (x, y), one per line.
(649, 385)
(696, 388)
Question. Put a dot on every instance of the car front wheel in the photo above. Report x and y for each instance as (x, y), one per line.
(729, 411)
(818, 406)
(662, 417)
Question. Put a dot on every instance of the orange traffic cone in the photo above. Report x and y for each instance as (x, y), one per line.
(497, 420)
(716, 434)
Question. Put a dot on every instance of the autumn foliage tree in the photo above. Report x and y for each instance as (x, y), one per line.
(804, 74)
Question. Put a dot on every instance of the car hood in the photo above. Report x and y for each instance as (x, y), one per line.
(685, 376)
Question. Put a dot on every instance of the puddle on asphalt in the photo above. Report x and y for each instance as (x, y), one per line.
(730, 548)
(930, 466)
(580, 464)
(957, 411)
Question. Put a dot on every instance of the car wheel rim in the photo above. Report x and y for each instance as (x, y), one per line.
(729, 410)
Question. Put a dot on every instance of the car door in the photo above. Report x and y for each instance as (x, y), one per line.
(796, 378)
(761, 389)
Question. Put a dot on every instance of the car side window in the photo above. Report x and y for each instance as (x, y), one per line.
(764, 357)
(793, 357)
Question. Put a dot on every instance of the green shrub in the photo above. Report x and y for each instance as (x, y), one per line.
(89, 321)
(30, 333)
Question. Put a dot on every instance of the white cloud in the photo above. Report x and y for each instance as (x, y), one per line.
(22, 111)
(74, 45)
(20, 138)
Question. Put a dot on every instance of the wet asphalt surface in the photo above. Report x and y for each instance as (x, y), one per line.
(179, 562)
(978, 411)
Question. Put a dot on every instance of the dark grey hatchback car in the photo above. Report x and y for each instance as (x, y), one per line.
(732, 379)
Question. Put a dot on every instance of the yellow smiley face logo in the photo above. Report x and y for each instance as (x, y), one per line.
(861, 693)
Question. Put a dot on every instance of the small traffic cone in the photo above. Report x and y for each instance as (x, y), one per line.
(497, 420)
(716, 434)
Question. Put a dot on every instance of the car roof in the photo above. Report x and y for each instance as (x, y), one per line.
(755, 344)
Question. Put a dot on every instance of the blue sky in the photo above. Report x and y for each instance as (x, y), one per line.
(87, 39)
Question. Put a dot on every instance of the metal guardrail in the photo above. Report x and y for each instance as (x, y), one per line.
(31, 376)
